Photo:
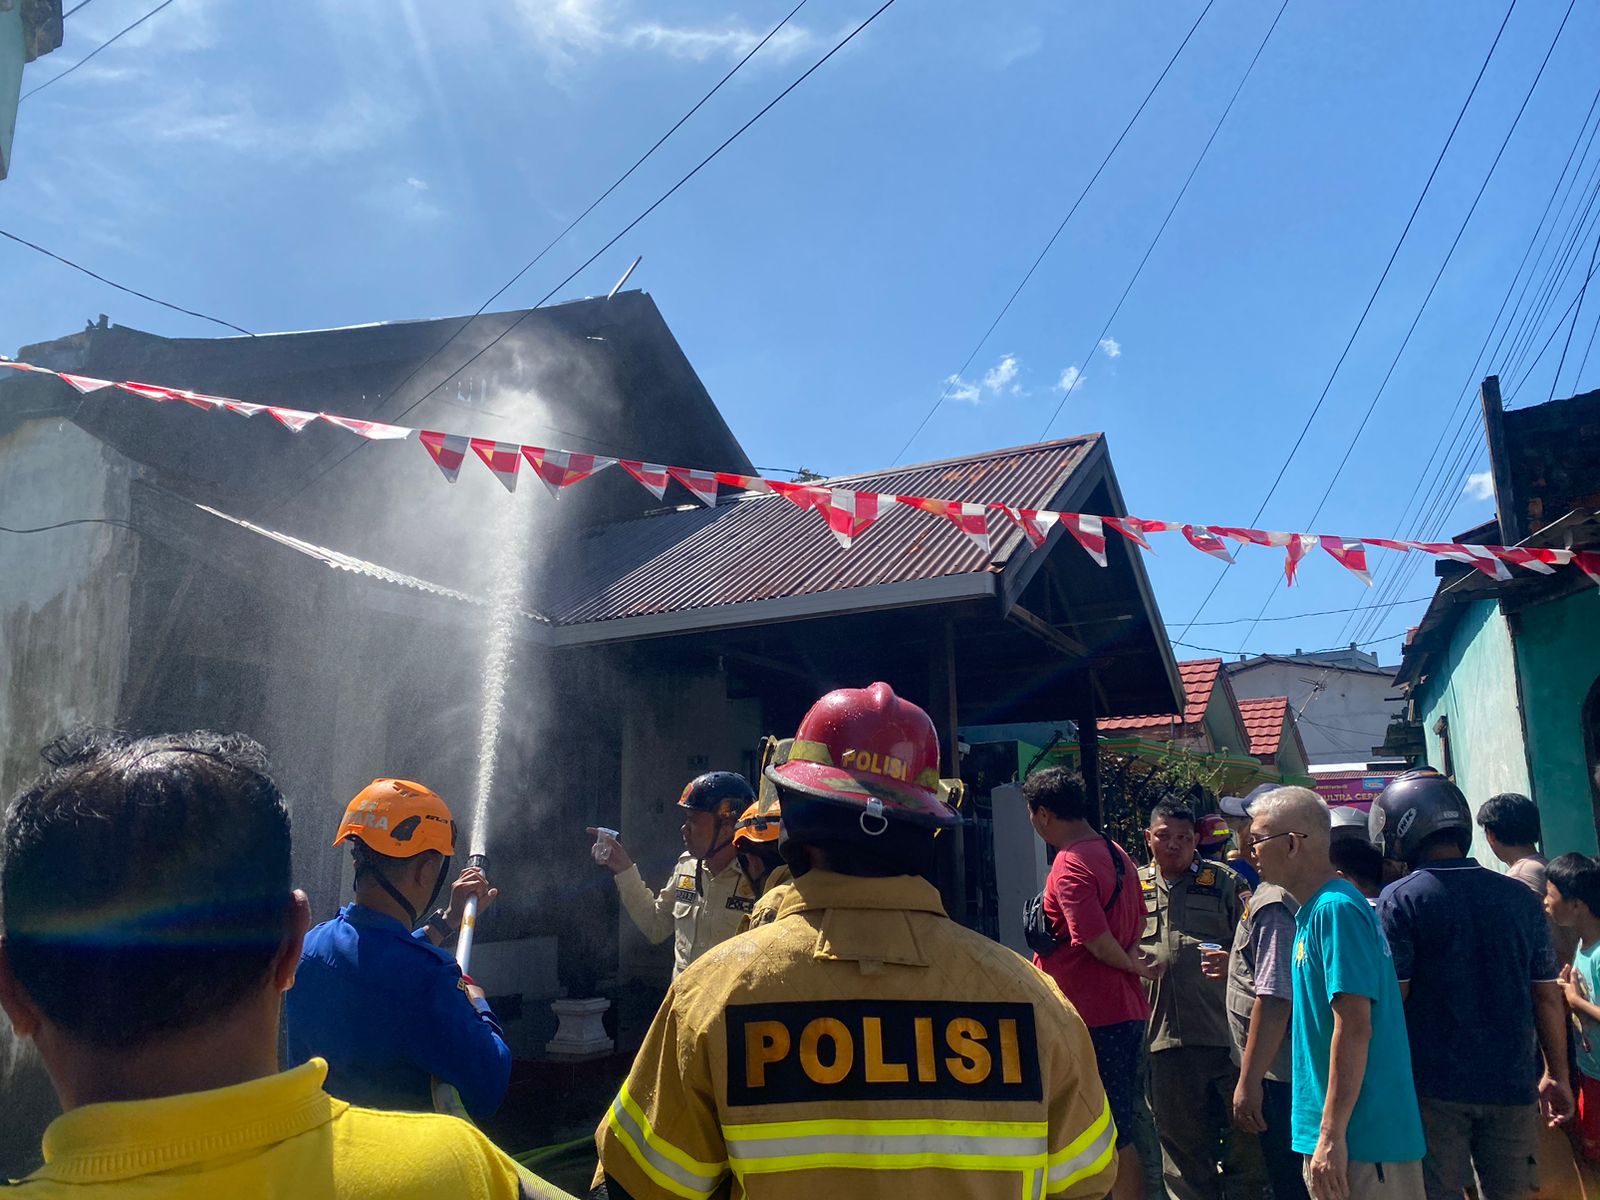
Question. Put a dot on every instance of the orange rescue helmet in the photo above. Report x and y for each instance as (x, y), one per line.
(758, 826)
(399, 819)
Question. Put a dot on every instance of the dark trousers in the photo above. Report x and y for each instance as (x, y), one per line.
(1284, 1166)
(1203, 1156)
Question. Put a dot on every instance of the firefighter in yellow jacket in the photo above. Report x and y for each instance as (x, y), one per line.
(708, 898)
(862, 1044)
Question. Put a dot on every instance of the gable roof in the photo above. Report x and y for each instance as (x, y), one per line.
(1264, 720)
(1199, 681)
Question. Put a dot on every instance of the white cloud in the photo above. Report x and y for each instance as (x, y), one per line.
(960, 390)
(1068, 380)
(1003, 375)
(568, 30)
(730, 41)
(420, 185)
(1480, 486)
(1110, 347)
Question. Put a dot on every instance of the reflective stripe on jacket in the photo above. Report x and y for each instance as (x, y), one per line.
(862, 1045)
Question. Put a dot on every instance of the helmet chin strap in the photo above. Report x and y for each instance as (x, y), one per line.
(397, 895)
(717, 848)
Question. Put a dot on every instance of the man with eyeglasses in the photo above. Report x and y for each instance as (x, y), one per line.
(1355, 1115)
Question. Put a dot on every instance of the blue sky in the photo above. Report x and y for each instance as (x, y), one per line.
(329, 162)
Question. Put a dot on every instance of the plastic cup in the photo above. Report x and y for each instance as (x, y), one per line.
(1210, 948)
(603, 841)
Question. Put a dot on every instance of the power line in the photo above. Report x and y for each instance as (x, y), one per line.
(1017, 291)
(1583, 291)
(1271, 654)
(598, 200)
(1361, 321)
(123, 287)
(1400, 350)
(1150, 249)
(1326, 612)
(102, 46)
(78, 521)
(662, 199)
(76, 7)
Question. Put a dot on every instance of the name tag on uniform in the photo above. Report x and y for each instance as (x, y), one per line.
(684, 889)
(830, 1051)
(741, 903)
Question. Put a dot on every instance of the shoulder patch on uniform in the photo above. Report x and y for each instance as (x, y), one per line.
(1206, 878)
(842, 1050)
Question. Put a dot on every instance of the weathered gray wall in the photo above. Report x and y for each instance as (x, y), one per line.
(1343, 714)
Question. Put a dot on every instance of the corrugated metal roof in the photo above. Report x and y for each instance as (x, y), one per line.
(763, 547)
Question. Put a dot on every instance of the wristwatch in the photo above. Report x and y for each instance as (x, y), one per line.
(435, 920)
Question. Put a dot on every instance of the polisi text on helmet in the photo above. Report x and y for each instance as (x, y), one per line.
(878, 764)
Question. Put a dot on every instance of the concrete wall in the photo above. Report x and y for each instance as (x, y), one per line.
(1339, 723)
(1474, 685)
(1558, 657)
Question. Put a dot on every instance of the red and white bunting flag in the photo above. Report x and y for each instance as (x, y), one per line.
(1131, 528)
(1387, 544)
(292, 418)
(1351, 555)
(850, 514)
(972, 519)
(558, 469)
(150, 391)
(1474, 556)
(1090, 532)
(1202, 538)
(16, 366)
(245, 409)
(1246, 537)
(86, 383)
(1588, 562)
(745, 483)
(1542, 559)
(1296, 547)
(801, 495)
(503, 458)
(652, 476)
(449, 451)
(1034, 524)
(702, 485)
(373, 431)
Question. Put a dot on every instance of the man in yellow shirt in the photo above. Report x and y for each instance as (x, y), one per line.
(149, 934)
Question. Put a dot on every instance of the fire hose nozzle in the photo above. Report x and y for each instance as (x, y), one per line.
(480, 861)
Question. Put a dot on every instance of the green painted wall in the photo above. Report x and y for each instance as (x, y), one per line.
(1558, 656)
(1475, 687)
(10, 78)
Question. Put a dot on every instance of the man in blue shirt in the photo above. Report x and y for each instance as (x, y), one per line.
(1482, 995)
(387, 1008)
(1355, 1114)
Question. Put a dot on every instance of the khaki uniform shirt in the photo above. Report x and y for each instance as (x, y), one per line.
(862, 1045)
(696, 909)
(1202, 905)
(775, 887)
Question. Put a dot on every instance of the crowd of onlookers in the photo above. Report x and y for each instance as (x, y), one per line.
(1343, 1005)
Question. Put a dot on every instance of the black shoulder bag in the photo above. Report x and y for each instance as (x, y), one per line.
(1036, 929)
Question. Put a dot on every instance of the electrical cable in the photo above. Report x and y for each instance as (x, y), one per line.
(1573, 324)
(123, 287)
(79, 521)
(1361, 321)
(657, 203)
(1165, 221)
(1017, 291)
(102, 46)
(1326, 612)
(76, 7)
(1272, 654)
(598, 200)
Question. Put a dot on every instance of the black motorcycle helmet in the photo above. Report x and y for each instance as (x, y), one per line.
(1413, 808)
(725, 793)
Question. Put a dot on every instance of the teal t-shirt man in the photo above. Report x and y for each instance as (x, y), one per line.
(1340, 949)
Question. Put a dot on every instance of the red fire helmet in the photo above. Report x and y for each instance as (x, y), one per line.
(859, 745)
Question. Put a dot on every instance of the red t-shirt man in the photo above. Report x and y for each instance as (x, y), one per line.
(1080, 885)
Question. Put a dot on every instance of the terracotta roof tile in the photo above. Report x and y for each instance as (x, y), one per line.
(1199, 680)
(1263, 722)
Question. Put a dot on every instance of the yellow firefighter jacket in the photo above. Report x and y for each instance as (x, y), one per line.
(773, 889)
(696, 909)
(862, 1045)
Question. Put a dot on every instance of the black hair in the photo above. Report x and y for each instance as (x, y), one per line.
(1171, 810)
(835, 829)
(1576, 877)
(1512, 818)
(145, 883)
(1357, 860)
(1457, 837)
(1060, 791)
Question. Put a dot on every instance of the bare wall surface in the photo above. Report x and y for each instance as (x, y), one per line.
(1558, 654)
(1342, 714)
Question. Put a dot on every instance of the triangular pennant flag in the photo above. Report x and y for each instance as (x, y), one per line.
(1473, 556)
(971, 519)
(292, 418)
(243, 407)
(20, 366)
(503, 458)
(1523, 557)
(1589, 563)
(1090, 532)
(375, 431)
(1387, 544)
(802, 495)
(745, 483)
(150, 391)
(1034, 524)
(86, 383)
(449, 451)
(1296, 548)
(653, 476)
(702, 485)
(558, 469)
(1130, 528)
(1245, 537)
(1202, 538)
(1349, 554)
(851, 514)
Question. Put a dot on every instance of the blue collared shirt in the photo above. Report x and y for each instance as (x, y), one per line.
(388, 1011)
